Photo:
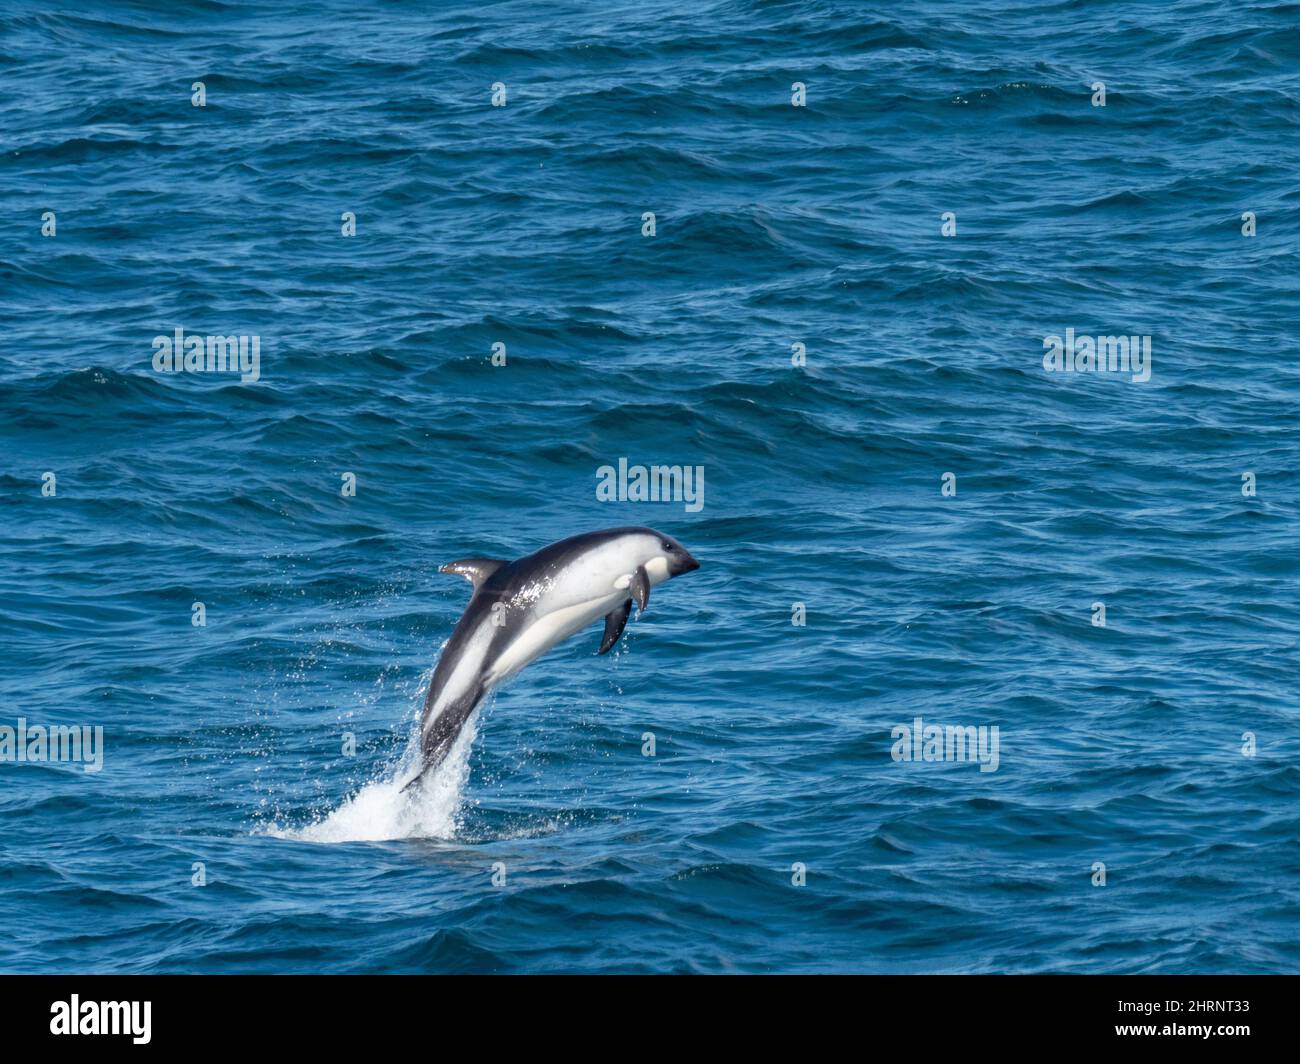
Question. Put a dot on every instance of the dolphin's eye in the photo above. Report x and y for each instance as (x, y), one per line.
(668, 547)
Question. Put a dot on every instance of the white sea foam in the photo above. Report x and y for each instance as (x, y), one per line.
(382, 810)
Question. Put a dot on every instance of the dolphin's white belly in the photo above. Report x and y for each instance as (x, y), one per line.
(548, 629)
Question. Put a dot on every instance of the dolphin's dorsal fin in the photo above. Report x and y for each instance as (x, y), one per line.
(475, 570)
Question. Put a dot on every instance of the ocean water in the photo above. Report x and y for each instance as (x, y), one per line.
(233, 827)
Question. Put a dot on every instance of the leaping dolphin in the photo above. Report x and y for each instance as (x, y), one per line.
(520, 609)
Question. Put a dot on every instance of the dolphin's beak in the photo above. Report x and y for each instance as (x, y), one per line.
(688, 563)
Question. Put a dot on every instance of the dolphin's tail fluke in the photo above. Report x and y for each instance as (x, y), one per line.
(417, 778)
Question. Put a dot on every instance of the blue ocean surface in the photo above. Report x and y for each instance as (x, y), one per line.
(819, 250)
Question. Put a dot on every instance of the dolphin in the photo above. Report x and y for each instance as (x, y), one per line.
(520, 609)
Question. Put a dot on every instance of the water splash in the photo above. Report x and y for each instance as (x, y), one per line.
(381, 810)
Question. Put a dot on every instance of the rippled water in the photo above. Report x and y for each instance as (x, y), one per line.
(775, 225)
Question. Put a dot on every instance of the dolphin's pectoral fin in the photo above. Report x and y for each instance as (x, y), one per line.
(475, 570)
(640, 588)
(615, 622)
